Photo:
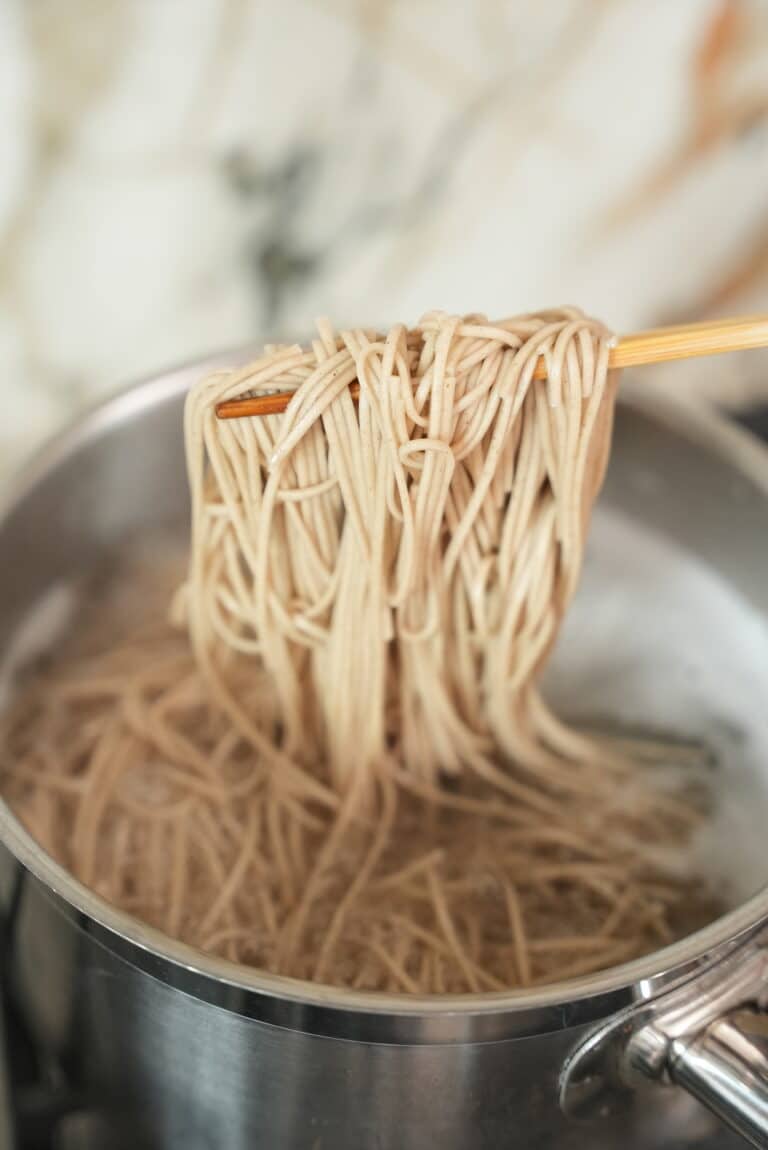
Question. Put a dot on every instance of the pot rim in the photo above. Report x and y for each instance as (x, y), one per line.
(336, 1011)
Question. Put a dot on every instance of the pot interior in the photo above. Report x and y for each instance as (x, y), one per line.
(668, 635)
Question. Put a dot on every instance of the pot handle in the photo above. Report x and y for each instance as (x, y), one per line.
(708, 1036)
(726, 1069)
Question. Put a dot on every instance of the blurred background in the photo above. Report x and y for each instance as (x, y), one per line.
(180, 176)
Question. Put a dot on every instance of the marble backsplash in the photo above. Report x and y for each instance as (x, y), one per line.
(178, 176)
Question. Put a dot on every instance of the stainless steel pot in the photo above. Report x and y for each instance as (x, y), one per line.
(171, 1048)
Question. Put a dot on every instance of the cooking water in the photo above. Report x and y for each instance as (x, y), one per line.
(655, 643)
(656, 640)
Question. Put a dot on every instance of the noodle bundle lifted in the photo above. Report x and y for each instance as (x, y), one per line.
(334, 761)
(400, 570)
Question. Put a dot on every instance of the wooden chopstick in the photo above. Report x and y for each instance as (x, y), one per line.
(686, 341)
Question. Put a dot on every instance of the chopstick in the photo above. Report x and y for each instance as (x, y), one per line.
(658, 345)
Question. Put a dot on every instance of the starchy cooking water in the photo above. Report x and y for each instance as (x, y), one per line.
(655, 642)
(656, 639)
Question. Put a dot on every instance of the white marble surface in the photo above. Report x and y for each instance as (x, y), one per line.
(181, 175)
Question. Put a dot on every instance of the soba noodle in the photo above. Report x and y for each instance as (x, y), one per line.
(334, 761)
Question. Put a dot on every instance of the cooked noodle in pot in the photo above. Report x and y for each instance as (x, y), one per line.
(333, 760)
